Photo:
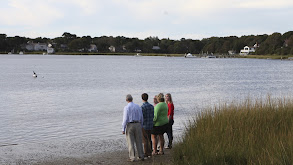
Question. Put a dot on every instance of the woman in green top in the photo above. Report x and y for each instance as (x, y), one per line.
(160, 124)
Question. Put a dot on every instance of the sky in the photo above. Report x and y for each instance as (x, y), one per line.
(174, 19)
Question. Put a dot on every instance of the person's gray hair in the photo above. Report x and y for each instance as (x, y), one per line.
(129, 97)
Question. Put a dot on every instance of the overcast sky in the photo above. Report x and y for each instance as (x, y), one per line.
(174, 19)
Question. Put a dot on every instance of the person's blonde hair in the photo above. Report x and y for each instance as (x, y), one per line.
(171, 101)
(160, 97)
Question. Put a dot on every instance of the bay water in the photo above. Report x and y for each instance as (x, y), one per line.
(80, 99)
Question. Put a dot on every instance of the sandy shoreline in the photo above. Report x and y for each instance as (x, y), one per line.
(108, 158)
(80, 152)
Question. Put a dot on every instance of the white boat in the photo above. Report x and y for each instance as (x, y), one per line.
(138, 55)
(211, 56)
(189, 55)
(207, 55)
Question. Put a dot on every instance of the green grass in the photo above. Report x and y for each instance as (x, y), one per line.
(266, 56)
(251, 132)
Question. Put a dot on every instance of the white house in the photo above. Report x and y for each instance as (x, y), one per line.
(36, 46)
(156, 48)
(138, 50)
(112, 49)
(41, 46)
(50, 50)
(29, 47)
(247, 50)
(93, 48)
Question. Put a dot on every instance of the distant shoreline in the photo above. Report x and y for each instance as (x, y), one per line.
(110, 54)
(281, 57)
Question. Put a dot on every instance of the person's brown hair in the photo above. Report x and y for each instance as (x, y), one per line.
(145, 97)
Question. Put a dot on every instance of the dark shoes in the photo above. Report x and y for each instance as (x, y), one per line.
(141, 159)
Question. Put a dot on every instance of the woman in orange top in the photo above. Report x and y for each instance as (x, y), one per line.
(169, 131)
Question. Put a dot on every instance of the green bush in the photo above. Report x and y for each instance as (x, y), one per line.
(249, 132)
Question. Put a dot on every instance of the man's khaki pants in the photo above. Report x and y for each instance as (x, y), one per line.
(134, 135)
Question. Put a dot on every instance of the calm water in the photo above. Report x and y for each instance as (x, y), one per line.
(82, 97)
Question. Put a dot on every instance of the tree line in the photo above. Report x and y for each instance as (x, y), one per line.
(276, 43)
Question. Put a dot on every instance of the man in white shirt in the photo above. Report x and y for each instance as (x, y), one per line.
(132, 126)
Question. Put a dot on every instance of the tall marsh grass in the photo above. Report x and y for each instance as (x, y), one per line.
(256, 131)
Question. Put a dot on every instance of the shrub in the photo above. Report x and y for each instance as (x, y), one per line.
(249, 132)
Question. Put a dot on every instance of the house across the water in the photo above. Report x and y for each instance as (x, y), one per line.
(247, 50)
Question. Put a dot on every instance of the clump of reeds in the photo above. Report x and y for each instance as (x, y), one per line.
(250, 132)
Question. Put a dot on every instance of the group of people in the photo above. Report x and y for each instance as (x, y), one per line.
(145, 126)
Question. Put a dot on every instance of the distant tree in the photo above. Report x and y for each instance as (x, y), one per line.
(14, 43)
(275, 43)
(197, 46)
(191, 46)
(3, 42)
(287, 46)
(179, 48)
(133, 44)
(271, 44)
(290, 41)
(291, 51)
(249, 40)
(287, 35)
(102, 43)
(80, 44)
(184, 46)
(42, 40)
(148, 44)
(68, 37)
(212, 45)
(165, 43)
(225, 47)
(76, 44)
(259, 39)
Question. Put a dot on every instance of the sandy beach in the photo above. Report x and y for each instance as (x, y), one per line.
(79, 152)
(109, 158)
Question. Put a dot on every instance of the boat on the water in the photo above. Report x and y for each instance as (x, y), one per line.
(207, 55)
(211, 56)
(138, 55)
(189, 55)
